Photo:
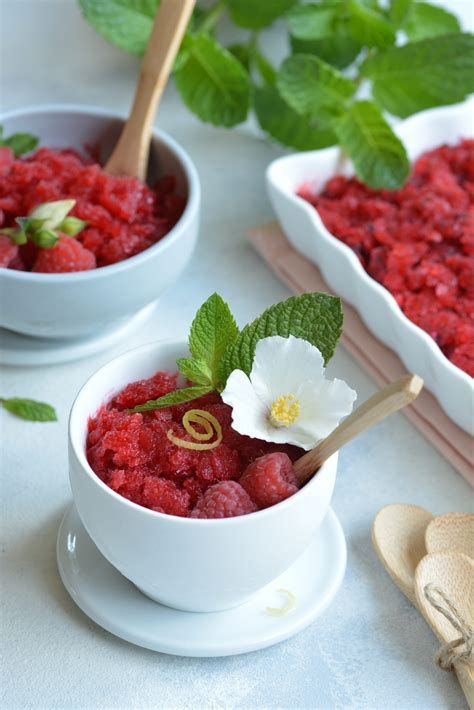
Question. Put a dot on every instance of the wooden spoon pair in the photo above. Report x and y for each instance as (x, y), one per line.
(420, 551)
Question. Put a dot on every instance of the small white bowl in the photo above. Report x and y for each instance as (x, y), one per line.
(345, 274)
(188, 564)
(88, 302)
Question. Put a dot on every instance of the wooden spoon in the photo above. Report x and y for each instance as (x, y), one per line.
(384, 402)
(130, 155)
(453, 532)
(453, 574)
(398, 536)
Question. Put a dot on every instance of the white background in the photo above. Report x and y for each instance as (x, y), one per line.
(371, 649)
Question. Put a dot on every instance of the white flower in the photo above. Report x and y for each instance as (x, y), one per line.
(287, 398)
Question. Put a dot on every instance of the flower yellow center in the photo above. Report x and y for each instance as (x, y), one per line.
(285, 410)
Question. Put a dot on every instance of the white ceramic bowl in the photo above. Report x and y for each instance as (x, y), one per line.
(195, 565)
(343, 271)
(88, 302)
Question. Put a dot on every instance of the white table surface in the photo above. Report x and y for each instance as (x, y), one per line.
(370, 649)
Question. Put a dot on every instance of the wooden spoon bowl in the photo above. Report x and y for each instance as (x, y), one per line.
(453, 574)
(398, 536)
(453, 532)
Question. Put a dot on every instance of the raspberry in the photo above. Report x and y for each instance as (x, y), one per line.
(29, 253)
(224, 500)
(67, 255)
(8, 250)
(270, 479)
(165, 497)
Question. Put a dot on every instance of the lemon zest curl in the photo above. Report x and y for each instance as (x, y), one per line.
(281, 611)
(205, 420)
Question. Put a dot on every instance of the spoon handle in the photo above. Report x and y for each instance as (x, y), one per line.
(130, 156)
(384, 402)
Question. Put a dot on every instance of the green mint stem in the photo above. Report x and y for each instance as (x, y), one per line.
(212, 16)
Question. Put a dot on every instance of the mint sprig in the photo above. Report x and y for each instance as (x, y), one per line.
(19, 143)
(298, 104)
(29, 409)
(218, 347)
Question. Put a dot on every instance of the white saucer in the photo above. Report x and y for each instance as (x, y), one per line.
(116, 604)
(25, 351)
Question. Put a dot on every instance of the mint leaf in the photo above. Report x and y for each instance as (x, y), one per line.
(265, 69)
(339, 50)
(186, 394)
(368, 27)
(29, 409)
(378, 156)
(212, 82)
(242, 53)
(323, 30)
(399, 11)
(213, 330)
(256, 15)
(316, 317)
(312, 86)
(19, 143)
(125, 23)
(195, 371)
(281, 122)
(426, 20)
(312, 21)
(420, 75)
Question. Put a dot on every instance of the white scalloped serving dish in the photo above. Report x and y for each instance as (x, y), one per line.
(342, 269)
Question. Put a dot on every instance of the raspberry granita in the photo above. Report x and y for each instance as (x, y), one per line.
(123, 215)
(133, 454)
(417, 241)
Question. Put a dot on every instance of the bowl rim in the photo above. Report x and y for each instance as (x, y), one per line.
(185, 221)
(80, 454)
(275, 169)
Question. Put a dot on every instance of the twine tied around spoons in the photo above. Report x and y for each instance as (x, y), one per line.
(447, 655)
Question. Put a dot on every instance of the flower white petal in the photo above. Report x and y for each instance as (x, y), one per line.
(249, 413)
(322, 406)
(281, 364)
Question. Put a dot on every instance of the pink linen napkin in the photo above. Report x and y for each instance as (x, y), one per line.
(375, 358)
